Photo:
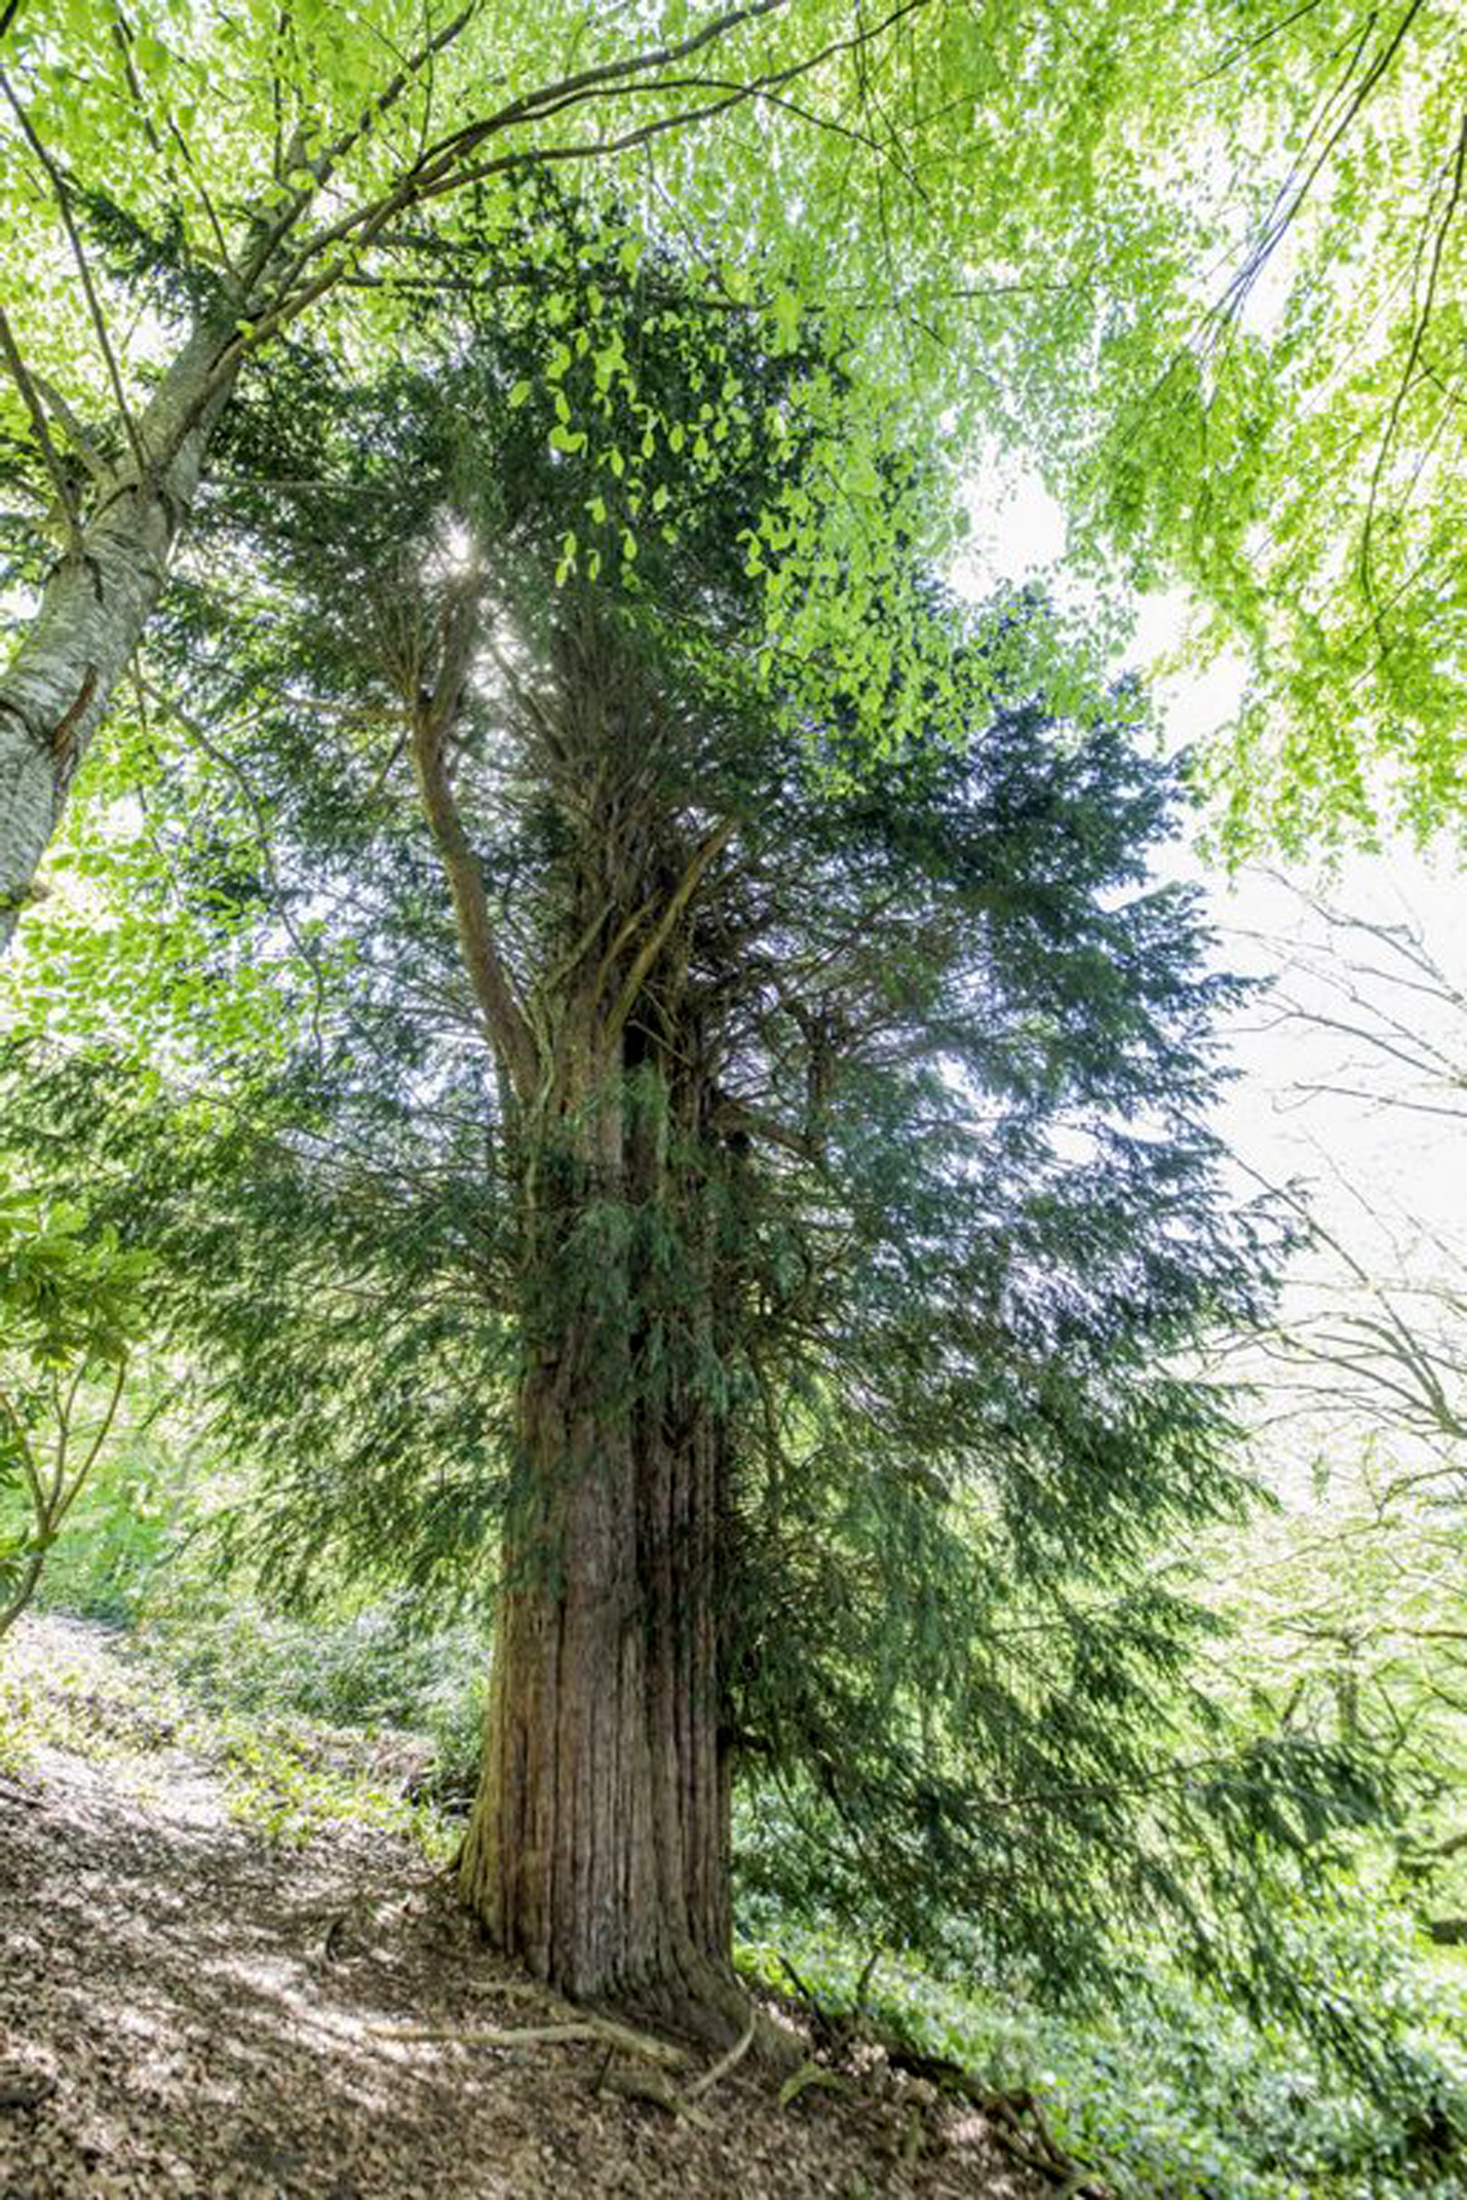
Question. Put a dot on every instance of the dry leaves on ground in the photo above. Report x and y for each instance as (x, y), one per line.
(188, 2010)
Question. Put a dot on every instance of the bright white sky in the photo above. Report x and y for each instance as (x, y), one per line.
(1355, 1156)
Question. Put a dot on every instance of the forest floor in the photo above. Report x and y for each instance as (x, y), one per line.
(200, 1957)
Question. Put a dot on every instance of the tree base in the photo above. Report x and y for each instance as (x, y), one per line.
(704, 2002)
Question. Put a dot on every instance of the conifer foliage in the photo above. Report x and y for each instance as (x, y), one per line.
(761, 1172)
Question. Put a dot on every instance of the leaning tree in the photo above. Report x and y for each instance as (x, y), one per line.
(261, 167)
(587, 1088)
(1002, 207)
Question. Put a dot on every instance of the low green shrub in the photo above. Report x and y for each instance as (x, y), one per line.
(1173, 2094)
(141, 1553)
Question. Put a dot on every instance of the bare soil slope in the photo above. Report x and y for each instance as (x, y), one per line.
(188, 2008)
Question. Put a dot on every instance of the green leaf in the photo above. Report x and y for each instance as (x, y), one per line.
(787, 314)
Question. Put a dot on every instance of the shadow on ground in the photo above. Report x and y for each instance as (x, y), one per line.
(198, 2008)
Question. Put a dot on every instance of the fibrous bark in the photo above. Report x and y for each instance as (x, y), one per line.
(598, 1848)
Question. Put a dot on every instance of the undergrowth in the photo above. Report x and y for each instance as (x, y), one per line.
(140, 1556)
(361, 1715)
(1172, 2095)
(287, 1779)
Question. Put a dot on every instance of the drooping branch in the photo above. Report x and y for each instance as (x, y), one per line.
(1301, 180)
(25, 383)
(89, 289)
(1458, 174)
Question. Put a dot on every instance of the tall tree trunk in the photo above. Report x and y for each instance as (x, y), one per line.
(598, 1848)
(93, 610)
(597, 1852)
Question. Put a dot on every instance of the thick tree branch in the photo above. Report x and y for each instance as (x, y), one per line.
(325, 164)
(431, 719)
(662, 931)
(447, 166)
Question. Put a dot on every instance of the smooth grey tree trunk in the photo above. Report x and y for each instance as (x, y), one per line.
(95, 605)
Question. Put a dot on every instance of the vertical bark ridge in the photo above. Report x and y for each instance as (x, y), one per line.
(597, 1851)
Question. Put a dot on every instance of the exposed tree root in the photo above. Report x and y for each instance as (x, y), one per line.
(1015, 2119)
(655, 2086)
(618, 2036)
(705, 2002)
(522, 1989)
(640, 2085)
(679, 2101)
(810, 2074)
(725, 2063)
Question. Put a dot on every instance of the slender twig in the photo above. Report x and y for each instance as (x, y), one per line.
(1292, 194)
(65, 1412)
(76, 435)
(78, 253)
(1404, 381)
(93, 1454)
(21, 376)
(325, 163)
(1259, 38)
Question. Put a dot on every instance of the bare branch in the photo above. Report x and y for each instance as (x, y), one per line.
(78, 253)
(25, 383)
(431, 717)
(447, 166)
(1418, 337)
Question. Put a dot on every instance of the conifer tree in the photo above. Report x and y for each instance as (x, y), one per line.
(769, 1180)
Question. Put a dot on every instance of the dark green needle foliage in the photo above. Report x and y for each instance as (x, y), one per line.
(923, 1054)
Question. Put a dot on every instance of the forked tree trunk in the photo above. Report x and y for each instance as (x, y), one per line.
(93, 610)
